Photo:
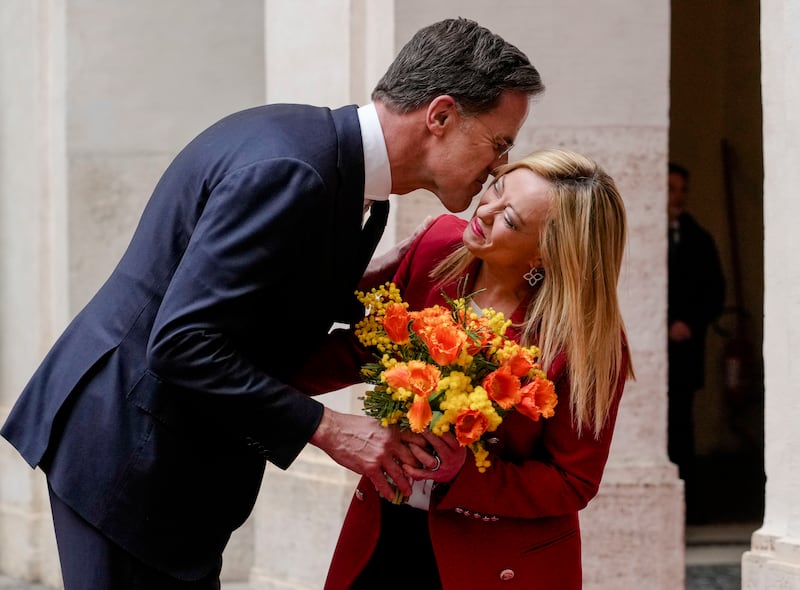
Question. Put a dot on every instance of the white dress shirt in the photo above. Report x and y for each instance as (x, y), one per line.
(377, 174)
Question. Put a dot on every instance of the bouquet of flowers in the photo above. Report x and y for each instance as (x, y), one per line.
(448, 369)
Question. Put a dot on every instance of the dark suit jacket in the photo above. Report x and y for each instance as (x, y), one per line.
(155, 411)
(696, 296)
(520, 517)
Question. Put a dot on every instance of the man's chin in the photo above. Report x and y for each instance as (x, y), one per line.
(457, 207)
(458, 203)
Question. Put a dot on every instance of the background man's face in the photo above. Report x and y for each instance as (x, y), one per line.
(678, 194)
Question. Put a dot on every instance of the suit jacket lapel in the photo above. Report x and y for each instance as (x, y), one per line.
(355, 247)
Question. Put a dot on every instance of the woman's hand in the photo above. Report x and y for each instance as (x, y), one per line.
(442, 458)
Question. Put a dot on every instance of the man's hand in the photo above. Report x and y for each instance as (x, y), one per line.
(382, 268)
(679, 331)
(361, 444)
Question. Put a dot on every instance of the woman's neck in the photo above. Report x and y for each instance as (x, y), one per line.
(501, 295)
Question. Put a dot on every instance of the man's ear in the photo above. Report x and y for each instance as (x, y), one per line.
(441, 112)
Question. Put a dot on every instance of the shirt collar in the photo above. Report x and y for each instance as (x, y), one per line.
(377, 173)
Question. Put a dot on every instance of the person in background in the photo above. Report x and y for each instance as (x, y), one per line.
(545, 248)
(696, 296)
(155, 412)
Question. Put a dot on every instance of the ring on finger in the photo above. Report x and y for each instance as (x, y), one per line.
(438, 463)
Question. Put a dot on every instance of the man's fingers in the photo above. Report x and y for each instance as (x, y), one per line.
(384, 488)
(390, 481)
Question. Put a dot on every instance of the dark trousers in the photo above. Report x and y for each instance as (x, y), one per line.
(90, 561)
(681, 444)
(404, 557)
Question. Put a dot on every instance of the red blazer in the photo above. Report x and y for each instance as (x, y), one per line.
(516, 525)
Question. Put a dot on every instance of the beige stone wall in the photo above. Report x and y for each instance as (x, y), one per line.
(32, 274)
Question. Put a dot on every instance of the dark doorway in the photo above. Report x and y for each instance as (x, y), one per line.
(716, 132)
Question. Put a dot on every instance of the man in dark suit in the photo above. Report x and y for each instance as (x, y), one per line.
(156, 410)
(696, 295)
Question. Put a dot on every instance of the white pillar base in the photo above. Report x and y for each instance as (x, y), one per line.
(773, 563)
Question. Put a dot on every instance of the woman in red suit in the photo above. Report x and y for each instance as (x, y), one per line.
(544, 247)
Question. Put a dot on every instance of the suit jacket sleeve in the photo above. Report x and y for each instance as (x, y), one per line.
(202, 337)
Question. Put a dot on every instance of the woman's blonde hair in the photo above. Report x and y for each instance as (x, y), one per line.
(576, 310)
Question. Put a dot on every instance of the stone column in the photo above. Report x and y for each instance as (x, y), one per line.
(33, 270)
(327, 53)
(774, 558)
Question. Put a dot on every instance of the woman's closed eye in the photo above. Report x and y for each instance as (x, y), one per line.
(508, 221)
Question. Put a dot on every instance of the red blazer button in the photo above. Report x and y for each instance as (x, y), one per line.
(506, 575)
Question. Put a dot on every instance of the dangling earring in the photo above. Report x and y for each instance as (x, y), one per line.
(534, 276)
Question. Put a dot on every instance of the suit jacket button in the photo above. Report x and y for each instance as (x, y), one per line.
(506, 575)
(359, 495)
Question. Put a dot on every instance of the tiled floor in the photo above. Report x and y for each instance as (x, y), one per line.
(713, 557)
(714, 554)
(713, 577)
(698, 577)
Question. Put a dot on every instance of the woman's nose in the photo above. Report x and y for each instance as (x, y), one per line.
(492, 208)
(484, 213)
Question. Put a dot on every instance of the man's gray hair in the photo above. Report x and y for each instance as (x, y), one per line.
(462, 59)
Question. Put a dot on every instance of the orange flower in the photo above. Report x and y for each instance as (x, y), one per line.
(538, 399)
(423, 378)
(470, 426)
(395, 322)
(419, 414)
(417, 376)
(429, 317)
(502, 387)
(483, 332)
(444, 342)
(398, 376)
(521, 362)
